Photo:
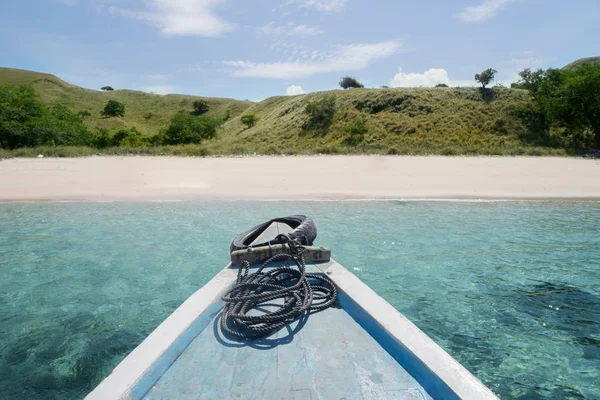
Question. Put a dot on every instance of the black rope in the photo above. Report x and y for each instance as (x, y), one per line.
(301, 293)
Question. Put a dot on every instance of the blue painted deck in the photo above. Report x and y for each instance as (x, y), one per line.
(326, 356)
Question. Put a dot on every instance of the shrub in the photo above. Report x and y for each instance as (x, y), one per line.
(441, 85)
(187, 129)
(148, 115)
(320, 114)
(113, 109)
(107, 88)
(85, 113)
(356, 131)
(129, 138)
(201, 107)
(101, 139)
(348, 82)
(249, 120)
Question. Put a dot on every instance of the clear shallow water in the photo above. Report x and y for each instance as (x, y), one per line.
(511, 290)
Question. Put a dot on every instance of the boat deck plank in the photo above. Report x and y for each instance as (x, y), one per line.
(326, 356)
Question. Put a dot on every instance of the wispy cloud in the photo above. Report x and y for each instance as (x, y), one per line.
(483, 11)
(352, 57)
(320, 5)
(429, 78)
(159, 89)
(180, 17)
(527, 59)
(294, 90)
(520, 61)
(289, 30)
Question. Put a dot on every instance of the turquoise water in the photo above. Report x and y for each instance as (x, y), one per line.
(510, 289)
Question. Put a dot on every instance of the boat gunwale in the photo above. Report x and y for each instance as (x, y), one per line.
(439, 374)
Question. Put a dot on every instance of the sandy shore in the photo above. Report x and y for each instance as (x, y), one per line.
(275, 178)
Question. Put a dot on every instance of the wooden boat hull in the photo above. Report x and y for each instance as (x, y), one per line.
(364, 349)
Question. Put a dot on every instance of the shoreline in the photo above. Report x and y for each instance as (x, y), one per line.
(300, 178)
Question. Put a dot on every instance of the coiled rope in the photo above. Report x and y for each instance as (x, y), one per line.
(300, 292)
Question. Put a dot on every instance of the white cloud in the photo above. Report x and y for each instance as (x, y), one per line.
(289, 30)
(159, 89)
(352, 57)
(180, 17)
(320, 5)
(483, 11)
(429, 78)
(294, 90)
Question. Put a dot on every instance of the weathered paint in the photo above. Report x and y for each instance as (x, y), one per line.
(327, 356)
(408, 347)
(142, 365)
(436, 370)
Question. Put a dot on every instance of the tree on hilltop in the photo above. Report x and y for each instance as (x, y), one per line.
(486, 77)
(348, 82)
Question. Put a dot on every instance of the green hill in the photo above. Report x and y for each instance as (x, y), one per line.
(582, 61)
(391, 121)
(146, 112)
(417, 121)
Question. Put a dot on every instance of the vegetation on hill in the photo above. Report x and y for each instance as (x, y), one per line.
(441, 120)
(148, 113)
(582, 61)
(389, 121)
(567, 100)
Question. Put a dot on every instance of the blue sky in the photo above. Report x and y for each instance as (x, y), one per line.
(253, 49)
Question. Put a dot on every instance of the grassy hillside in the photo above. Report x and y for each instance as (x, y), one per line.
(147, 112)
(396, 121)
(582, 61)
(399, 121)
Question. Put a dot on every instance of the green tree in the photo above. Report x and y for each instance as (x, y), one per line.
(572, 100)
(348, 82)
(63, 127)
(486, 77)
(84, 113)
(201, 107)
(26, 122)
(441, 85)
(113, 109)
(531, 80)
(107, 89)
(249, 120)
(18, 105)
(186, 129)
(568, 99)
